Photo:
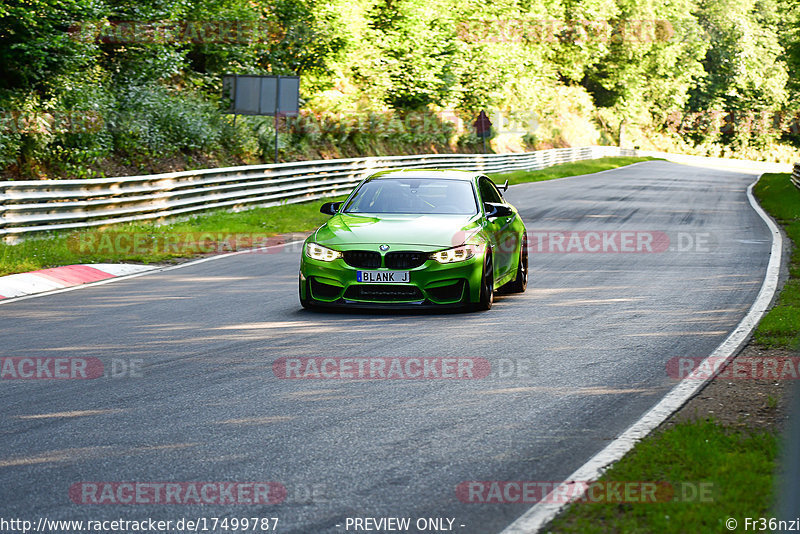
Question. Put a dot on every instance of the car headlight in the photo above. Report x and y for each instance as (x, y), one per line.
(318, 252)
(451, 255)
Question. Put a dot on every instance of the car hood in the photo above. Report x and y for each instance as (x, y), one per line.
(429, 230)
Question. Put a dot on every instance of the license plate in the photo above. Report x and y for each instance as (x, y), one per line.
(397, 277)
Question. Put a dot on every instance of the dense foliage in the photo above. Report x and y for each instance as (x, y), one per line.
(102, 87)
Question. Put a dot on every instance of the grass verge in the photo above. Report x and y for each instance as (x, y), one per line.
(160, 243)
(575, 168)
(739, 463)
(714, 473)
(781, 326)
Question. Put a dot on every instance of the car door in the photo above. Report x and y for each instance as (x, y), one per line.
(499, 228)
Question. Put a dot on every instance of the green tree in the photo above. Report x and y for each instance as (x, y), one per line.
(36, 42)
(309, 38)
(416, 50)
(743, 65)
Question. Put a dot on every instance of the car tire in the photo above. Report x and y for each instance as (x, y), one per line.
(487, 286)
(520, 281)
(304, 302)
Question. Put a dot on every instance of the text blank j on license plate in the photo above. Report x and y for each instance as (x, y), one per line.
(383, 276)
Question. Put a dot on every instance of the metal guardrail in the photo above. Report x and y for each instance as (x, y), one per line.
(796, 175)
(45, 205)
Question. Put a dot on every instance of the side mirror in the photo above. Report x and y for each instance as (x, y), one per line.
(495, 209)
(330, 208)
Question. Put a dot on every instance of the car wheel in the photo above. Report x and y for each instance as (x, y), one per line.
(487, 286)
(304, 302)
(520, 282)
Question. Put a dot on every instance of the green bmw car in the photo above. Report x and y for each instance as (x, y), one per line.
(416, 238)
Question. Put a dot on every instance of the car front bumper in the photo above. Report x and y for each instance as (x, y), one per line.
(432, 284)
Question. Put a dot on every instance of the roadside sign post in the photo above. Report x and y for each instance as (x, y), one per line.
(278, 96)
(483, 128)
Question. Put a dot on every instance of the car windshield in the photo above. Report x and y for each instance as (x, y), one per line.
(414, 196)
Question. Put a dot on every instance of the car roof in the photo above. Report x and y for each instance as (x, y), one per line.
(426, 173)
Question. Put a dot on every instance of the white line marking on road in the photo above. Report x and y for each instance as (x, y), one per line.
(542, 513)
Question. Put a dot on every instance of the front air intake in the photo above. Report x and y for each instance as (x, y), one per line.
(362, 259)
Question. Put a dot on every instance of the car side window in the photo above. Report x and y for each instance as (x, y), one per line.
(489, 192)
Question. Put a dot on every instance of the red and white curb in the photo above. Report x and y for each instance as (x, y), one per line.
(19, 285)
(113, 272)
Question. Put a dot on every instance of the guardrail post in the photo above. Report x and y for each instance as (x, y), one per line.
(2, 206)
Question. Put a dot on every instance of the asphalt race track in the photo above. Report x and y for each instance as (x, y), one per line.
(576, 359)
